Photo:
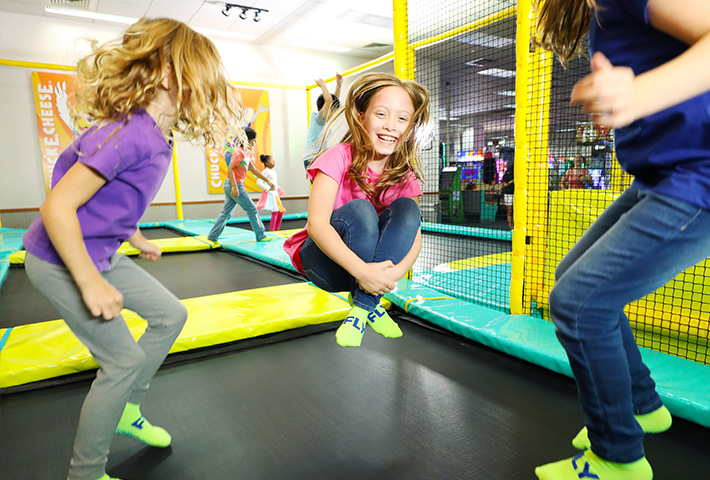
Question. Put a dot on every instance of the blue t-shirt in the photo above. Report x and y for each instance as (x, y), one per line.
(667, 152)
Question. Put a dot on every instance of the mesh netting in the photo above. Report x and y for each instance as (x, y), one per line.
(464, 52)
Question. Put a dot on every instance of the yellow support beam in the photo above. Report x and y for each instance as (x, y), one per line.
(403, 52)
(176, 179)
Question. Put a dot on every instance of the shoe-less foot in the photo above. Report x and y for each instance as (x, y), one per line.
(657, 421)
(587, 465)
(350, 332)
(135, 425)
(380, 321)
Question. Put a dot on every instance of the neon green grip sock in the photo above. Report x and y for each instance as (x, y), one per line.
(350, 332)
(135, 425)
(587, 465)
(657, 421)
(382, 323)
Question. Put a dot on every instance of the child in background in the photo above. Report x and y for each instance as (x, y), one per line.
(270, 198)
(326, 105)
(160, 76)
(650, 81)
(363, 230)
(240, 161)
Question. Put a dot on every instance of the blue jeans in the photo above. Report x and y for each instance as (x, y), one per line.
(230, 202)
(638, 244)
(374, 239)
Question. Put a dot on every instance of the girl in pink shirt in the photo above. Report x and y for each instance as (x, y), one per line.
(363, 230)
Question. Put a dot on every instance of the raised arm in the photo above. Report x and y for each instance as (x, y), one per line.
(327, 98)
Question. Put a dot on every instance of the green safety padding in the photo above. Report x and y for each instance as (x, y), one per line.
(682, 384)
(487, 285)
(468, 231)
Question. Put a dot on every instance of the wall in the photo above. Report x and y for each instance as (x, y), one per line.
(58, 41)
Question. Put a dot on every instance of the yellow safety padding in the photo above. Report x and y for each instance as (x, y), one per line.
(168, 245)
(17, 258)
(476, 262)
(49, 349)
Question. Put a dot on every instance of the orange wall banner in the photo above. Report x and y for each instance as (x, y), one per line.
(54, 99)
(257, 116)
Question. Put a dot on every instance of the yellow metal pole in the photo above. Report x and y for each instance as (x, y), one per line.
(176, 179)
(403, 54)
(522, 64)
(476, 24)
(533, 84)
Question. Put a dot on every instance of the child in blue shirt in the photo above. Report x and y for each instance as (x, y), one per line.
(650, 80)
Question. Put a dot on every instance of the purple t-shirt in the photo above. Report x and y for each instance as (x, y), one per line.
(134, 161)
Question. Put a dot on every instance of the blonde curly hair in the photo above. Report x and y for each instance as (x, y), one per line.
(126, 74)
(406, 157)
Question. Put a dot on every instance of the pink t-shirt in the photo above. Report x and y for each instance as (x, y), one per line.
(335, 163)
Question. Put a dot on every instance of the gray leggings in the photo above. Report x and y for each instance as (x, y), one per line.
(126, 366)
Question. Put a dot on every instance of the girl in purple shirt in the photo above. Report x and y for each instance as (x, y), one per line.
(363, 230)
(650, 81)
(160, 76)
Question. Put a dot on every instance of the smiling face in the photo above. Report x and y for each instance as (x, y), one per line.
(270, 163)
(386, 119)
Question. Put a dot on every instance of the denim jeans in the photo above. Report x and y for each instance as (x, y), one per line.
(230, 202)
(638, 244)
(374, 239)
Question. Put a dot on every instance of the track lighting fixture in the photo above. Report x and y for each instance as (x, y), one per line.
(245, 11)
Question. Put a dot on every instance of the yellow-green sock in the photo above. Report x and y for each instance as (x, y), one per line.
(382, 323)
(350, 332)
(657, 421)
(106, 477)
(587, 465)
(133, 424)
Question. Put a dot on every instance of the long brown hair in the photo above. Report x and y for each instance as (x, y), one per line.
(126, 74)
(562, 24)
(406, 156)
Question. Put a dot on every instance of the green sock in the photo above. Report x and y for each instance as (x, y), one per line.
(587, 465)
(657, 421)
(133, 424)
(380, 321)
(350, 333)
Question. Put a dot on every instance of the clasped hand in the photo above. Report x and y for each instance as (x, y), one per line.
(378, 278)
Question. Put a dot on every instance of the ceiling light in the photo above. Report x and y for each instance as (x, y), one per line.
(498, 72)
(70, 12)
(245, 11)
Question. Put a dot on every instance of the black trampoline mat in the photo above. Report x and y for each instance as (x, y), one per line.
(426, 406)
(186, 274)
(157, 233)
(285, 224)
